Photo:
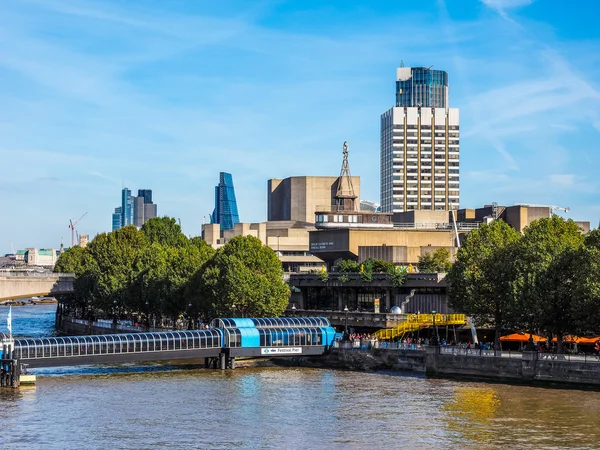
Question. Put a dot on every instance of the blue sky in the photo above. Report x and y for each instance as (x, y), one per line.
(164, 95)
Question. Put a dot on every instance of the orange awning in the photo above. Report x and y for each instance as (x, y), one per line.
(521, 337)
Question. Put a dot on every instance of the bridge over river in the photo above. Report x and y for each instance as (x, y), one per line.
(25, 284)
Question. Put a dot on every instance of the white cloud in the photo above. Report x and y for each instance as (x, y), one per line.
(563, 179)
(501, 5)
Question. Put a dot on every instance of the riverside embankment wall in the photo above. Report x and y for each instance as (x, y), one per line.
(527, 368)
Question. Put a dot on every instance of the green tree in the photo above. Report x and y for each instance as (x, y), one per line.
(481, 283)
(243, 278)
(539, 280)
(164, 231)
(105, 282)
(73, 260)
(162, 273)
(437, 261)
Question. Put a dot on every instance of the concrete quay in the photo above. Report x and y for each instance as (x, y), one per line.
(450, 362)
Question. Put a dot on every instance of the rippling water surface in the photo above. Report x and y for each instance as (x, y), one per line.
(181, 407)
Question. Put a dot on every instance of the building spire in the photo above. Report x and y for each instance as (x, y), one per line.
(345, 197)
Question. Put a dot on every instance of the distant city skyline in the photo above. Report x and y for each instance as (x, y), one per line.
(167, 94)
(134, 210)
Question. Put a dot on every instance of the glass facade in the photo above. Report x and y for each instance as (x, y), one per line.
(116, 219)
(126, 207)
(146, 194)
(424, 87)
(226, 211)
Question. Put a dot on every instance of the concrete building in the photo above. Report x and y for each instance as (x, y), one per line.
(298, 198)
(44, 257)
(517, 216)
(420, 144)
(84, 240)
(289, 239)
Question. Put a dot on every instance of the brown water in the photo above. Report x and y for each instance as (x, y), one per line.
(127, 407)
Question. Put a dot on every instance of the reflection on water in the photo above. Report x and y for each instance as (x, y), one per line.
(179, 407)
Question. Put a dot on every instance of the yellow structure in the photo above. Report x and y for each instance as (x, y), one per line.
(414, 322)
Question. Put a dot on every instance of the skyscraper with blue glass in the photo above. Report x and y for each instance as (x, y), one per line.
(420, 144)
(126, 207)
(226, 211)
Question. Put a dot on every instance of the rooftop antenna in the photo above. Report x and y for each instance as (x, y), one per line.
(430, 67)
(344, 196)
(401, 63)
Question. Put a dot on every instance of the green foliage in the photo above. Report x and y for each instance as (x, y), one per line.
(397, 276)
(243, 278)
(481, 283)
(164, 231)
(131, 270)
(71, 261)
(348, 266)
(434, 262)
(548, 246)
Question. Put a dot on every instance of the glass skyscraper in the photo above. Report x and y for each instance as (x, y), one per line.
(134, 210)
(116, 219)
(126, 207)
(226, 211)
(420, 86)
(146, 194)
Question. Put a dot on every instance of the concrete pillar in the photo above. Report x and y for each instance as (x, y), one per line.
(388, 300)
(340, 299)
(431, 359)
(529, 365)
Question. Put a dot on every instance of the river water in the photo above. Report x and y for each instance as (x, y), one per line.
(183, 407)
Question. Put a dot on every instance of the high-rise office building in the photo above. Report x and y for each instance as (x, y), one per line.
(116, 219)
(226, 211)
(146, 194)
(134, 210)
(126, 207)
(420, 144)
(143, 208)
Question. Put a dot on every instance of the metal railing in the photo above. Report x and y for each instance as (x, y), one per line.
(368, 344)
(27, 273)
(584, 358)
(436, 226)
(490, 353)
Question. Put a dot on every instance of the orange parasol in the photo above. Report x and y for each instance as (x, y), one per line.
(521, 337)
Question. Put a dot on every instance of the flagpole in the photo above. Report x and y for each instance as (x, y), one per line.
(9, 322)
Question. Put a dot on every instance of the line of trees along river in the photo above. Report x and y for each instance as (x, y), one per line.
(546, 280)
(159, 271)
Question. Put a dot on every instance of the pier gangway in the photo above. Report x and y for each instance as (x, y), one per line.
(415, 322)
(218, 345)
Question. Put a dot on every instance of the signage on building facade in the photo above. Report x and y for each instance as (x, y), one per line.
(280, 351)
(320, 245)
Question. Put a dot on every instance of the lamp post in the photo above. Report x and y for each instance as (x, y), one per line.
(115, 313)
(437, 336)
(294, 310)
(233, 308)
(346, 320)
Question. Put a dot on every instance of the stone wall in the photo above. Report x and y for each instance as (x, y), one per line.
(526, 369)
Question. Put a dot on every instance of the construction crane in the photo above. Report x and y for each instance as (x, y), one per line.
(72, 227)
(551, 208)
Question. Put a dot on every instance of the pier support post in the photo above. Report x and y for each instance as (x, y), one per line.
(231, 362)
(222, 361)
